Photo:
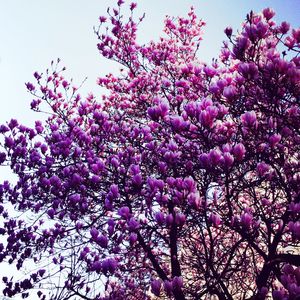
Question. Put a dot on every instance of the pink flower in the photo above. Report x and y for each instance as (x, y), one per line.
(229, 92)
(160, 218)
(268, 13)
(274, 139)
(284, 27)
(249, 119)
(169, 219)
(228, 159)
(262, 168)
(102, 19)
(205, 119)
(239, 151)
(246, 220)
(215, 219)
(133, 6)
(210, 72)
(194, 200)
(180, 219)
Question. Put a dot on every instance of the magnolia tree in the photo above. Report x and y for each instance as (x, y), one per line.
(182, 182)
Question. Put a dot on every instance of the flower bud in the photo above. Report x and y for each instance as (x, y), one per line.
(262, 168)
(228, 31)
(132, 238)
(102, 240)
(239, 151)
(246, 220)
(228, 159)
(215, 220)
(94, 233)
(177, 283)
(156, 287)
(168, 287)
(180, 219)
(169, 219)
(160, 218)
(133, 225)
(124, 212)
(249, 119)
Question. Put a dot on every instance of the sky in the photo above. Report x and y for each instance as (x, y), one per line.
(34, 32)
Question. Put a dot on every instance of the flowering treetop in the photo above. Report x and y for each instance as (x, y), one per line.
(181, 183)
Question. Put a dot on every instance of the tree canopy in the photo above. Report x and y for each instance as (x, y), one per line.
(181, 182)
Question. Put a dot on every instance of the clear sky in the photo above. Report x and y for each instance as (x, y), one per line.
(34, 32)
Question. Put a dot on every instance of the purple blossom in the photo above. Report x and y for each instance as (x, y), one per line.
(194, 200)
(169, 219)
(133, 238)
(9, 142)
(109, 265)
(268, 13)
(177, 283)
(160, 218)
(215, 219)
(204, 160)
(102, 240)
(206, 119)
(228, 159)
(133, 224)
(274, 139)
(229, 92)
(262, 168)
(30, 86)
(51, 213)
(246, 220)
(180, 219)
(156, 287)
(168, 287)
(239, 151)
(249, 119)
(178, 164)
(214, 157)
(124, 212)
(2, 157)
(94, 233)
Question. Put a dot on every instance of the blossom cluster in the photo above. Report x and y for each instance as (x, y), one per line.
(181, 182)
